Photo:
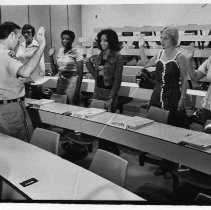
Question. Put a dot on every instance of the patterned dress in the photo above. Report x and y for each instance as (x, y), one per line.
(166, 93)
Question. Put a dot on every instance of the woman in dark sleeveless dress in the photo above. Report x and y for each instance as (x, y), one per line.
(170, 70)
(171, 67)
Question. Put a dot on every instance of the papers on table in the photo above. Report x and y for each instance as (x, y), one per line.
(87, 113)
(201, 141)
(127, 122)
(40, 103)
(40, 81)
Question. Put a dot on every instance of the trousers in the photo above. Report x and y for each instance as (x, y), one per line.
(67, 86)
(15, 121)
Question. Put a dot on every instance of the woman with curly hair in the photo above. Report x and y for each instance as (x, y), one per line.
(107, 68)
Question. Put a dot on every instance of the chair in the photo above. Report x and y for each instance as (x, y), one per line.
(202, 198)
(59, 98)
(207, 127)
(129, 78)
(45, 139)
(190, 176)
(109, 166)
(158, 115)
(83, 139)
(95, 103)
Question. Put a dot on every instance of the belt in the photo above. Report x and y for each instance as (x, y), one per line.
(11, 100)
(68, 74)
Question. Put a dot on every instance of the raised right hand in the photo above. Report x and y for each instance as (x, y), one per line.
(141, 42)
(41, 36)
(51, 52)
(190, 51)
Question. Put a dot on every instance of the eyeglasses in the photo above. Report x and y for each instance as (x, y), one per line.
(26, 32)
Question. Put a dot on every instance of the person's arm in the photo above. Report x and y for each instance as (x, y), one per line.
(27, 69)
(54, 65)
(26, 55)
(90, 66)
(42, 66)
(117, 81)
(195, 75)
(76, 97)
(145, 62)
(183, 72)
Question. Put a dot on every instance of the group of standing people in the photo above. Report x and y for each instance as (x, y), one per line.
(106, 67)
(27, 64)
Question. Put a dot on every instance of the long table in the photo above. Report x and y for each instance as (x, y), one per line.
(58, 179)
(127, 89)
(156, 138)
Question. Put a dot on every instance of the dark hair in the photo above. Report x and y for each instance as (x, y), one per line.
(27, 27)
(112, 38)
(71, 34)
(6, 28)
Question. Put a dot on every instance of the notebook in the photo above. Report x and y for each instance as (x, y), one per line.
(88, 113)
(200, 141)
(126, 122)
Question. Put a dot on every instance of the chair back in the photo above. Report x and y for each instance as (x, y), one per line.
(46, 139)
(59, 98)
(207, 127)
(109, 166)
(158, 115)
(129, 78)
(95, 103)
(202, 198)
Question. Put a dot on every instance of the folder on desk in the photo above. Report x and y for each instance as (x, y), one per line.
(136, 122)
(88, 113)
(40, 103)
(126, 122)
(200, 141)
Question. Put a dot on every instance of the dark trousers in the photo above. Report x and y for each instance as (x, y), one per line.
(206, 115)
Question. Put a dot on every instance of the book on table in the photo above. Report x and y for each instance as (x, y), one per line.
(127, 122)
(200, 141)
(88, 112)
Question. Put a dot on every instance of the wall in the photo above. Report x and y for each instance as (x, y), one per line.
(98, 16)
(54, 18)
(82, 19)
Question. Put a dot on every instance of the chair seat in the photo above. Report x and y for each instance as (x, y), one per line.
(73, 152)
(194, 178)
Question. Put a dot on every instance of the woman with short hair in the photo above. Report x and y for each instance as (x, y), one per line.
(171, 69)
(69, 66)
(168, 94)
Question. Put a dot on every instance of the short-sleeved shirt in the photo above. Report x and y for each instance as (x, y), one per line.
(205, 68)
(24, 53)
(67, 61)
(11, 86)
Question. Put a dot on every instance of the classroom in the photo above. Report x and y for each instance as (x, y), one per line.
(105, 103)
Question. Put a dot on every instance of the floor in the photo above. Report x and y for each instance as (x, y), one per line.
(137, 175)
(140, 179)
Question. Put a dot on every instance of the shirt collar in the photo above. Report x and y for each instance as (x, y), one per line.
(3, 47)
(33, 44)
